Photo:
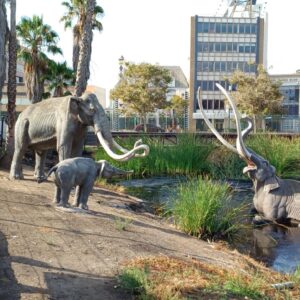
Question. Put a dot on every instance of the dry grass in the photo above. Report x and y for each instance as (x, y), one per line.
(102, 183)
(173, 278)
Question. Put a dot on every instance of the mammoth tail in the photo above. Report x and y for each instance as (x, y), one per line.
(53, 169)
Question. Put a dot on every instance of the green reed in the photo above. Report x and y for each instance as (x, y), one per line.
(188, 157)
(281, 152)
(191, 156)
(202, 208)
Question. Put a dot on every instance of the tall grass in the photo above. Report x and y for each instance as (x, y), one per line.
(200, 157)
(187, 157)
(281, 152)
(202, 208)
(225, 164)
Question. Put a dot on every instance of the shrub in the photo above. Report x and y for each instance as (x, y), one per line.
(202, 208)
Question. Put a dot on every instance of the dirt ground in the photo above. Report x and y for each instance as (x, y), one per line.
(50, 254)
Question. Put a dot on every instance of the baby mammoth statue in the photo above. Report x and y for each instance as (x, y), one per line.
(80, 172)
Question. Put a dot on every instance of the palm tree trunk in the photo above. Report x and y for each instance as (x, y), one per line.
(76, 48)
(11, 88)
(3, 40)
(83, 73)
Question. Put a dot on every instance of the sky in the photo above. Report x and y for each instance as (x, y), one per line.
(158, 32)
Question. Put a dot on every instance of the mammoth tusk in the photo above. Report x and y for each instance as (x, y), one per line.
(123, 157)
(247, 130)
(123, 150)
(241, 148)
(212, 128)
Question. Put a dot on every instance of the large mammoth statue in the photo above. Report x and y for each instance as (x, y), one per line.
(61, 123)
(275, 199)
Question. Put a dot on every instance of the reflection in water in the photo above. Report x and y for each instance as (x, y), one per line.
(277, 246)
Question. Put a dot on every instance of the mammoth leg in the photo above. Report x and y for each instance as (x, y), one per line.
(78, 144)
(64, 196)
(77, 196)
(21, 144)
(85, 191)
(40, 158)
(57, 194)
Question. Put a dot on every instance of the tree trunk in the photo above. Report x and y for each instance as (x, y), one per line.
(83, 73)
(76, 48)
(11, 88)
(3, 40)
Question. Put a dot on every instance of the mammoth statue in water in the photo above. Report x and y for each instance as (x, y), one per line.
(61, 123)
(275, 199)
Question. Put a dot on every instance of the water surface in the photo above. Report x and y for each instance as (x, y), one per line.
(278, 247)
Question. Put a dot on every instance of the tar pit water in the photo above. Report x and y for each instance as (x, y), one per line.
(277, 246)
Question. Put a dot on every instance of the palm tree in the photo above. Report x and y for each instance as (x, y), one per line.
(83, 72)
(37, 39)
(59, 78)
(11, 87)
(3, 40)
(77, 9)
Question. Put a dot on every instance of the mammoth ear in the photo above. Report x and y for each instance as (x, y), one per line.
(271, 184)
(74, 103)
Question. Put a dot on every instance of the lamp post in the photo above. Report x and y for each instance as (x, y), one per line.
(116, 125)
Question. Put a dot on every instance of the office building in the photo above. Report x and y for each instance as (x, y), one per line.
(219, 46)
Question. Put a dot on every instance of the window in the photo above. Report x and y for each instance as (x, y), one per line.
(205, 27)
(221, 104)
(223, 47)
(223, 66)
(234, 47)
(210, 85)
(242, 28)
(217, 47)
(217, 66)
(205, 66)
(229, 47)
(211, 47)
(235, 28)
(229, 66)
(253, 49)
(247, 48)
(211, 66)
(224, 28)
(205, 47)
(241, 48)
(253, 28)
(209, 104)
(216, 104)
(212, 27)
(218, 27)
(230, 27)
(204, 103)
(247, 28)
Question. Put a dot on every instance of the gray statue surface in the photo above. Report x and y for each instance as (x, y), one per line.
(275, 199)
(80, 172)
(61, 123)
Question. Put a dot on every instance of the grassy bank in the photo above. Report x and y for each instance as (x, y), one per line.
(172, 278)
(208, 158)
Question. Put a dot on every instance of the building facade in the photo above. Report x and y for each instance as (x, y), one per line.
(219, 46)
(290, 90)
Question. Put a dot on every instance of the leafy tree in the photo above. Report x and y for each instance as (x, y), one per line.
(256, 96)
(11, 87)
(83, 68)
(3, 40)
(142, 88)
(37, 39)
(59, 77)
(77, 9)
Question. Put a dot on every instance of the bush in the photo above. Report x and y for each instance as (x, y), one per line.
(202, 208)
